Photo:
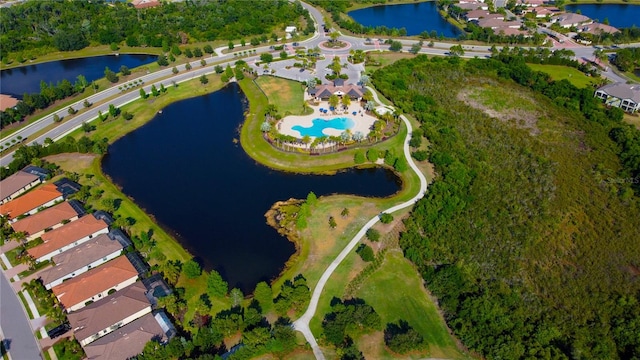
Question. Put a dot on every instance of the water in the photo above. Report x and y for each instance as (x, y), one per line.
(185, 168)
(619, 15)
(26, 79)
(416, 18)
(317, 129)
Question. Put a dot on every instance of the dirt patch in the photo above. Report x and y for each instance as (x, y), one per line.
(74, 162)
(521, 118)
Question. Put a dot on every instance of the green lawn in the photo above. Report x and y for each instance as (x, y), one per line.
(287, 95)
(395, 291)
(559, 72)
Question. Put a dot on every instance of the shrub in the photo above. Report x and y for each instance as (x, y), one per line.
(420, 155)
(386, 218)
(373, 235)
(359, 158)
(192, 269)
(366, 253)
(372, 155)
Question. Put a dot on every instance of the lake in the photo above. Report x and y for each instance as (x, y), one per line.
(185, 168)
(415, 18)
(619, 15)
(26, 79)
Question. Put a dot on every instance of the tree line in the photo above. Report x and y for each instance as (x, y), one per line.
(527, 240)
(42, 26)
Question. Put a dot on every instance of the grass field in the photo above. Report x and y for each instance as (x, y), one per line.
(395, 290)
(559, 72)
(287, 95)
(633, 119)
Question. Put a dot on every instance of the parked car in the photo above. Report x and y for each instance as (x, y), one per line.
(59, 330)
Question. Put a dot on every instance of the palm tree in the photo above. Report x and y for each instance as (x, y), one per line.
(265, 127)
(346, 101)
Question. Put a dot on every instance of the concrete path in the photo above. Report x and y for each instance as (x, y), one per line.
(302, 324)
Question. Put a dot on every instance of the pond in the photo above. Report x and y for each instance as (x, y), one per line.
(415, 18)
(186, 168)
(26, 79)
(619, 15)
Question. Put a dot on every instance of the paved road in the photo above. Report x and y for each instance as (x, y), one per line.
(302, 324)
(15, 325)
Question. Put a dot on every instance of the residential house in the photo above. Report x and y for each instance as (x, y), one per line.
(35, 170)
(568, 20)
(498, 24)
(127, 341)
(7, 101)
(16, 184)
(472, 6)
(546, 11)
(31, 202)
(531, 3)
(109, 314)
(339, 88)
(624, 96)
(481, 14)
(67, 237)
(52, 218)
(76, 293)
(598, 28)
(81, 259)
(143, 4)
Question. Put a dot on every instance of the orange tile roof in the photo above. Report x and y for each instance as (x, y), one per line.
(67, 234)
(94, 281)
(45, 218)
(7, 101)
(29, 201)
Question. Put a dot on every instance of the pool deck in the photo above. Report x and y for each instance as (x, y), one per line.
(363, 122)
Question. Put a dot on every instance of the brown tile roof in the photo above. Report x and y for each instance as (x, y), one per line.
(15, 182)
(126, 342)
(109, 311)
(7, 101)
(94, 281)
(142, 4)
(45, 219)
(79, 257)
(67, 234)
(323, 91)
(29, 201)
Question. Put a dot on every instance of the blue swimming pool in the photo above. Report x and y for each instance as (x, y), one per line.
(316, 130)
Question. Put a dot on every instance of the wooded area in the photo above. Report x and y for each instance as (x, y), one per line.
(65, 25)
(528, 237)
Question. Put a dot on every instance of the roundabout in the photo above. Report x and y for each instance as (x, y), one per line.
(338, 45)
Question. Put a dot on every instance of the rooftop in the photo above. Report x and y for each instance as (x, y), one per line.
(67, 187)
(42, 173)
(67, 234)
(623, 91)
(109, 311)
(127, 341)
(79, 257)
(29, 201)
(15, 182)
(94, 281)
(7, 101)
(571, 19)
(47, 218)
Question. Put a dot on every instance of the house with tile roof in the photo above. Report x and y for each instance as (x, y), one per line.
(16, 184)
(95, 284)
(624, 96)
(109, 314)
(567, 20)
(67, 237)
(81, 259)
(46, 220)
(29, 204)
(127, 341)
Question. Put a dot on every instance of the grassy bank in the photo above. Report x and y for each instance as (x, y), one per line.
(560, 72)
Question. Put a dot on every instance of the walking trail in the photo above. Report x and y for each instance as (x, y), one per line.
(302, 324)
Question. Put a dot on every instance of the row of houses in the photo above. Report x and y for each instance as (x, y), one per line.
(624, 96)
(109, 304)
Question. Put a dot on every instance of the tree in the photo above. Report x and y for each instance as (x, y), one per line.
(110, 75)
(312, 199)
(456, 50)
(197, 52)
(266, 57)
(373, 234)
(402, 338)
(175, 50)
(143, 94)
(175, 70)
(208, 49)
(218, 69)
(187, 66)
(366, 253)
(86, 103)
(216, 286)
(283, 55)
(72, 111)
(230, 45)
(124, 70)
(334, 100)
(162, 60)
(203, 79)
(113, 111)
(191, 269)
(386, 218)
(372, 155)
(346, 101)
(344, 213)
(188, 53)
(334, 36)
(332, 222)
(203, 63)
(264, 295)
(415, 48)
(395, 46)
(162, 88)
(236, 296)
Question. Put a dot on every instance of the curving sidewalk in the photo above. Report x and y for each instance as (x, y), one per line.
(302, 324)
